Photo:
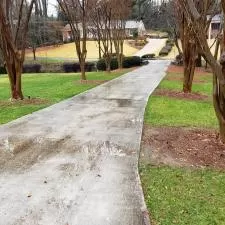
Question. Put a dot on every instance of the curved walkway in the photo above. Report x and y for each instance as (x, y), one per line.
(152, 47)
(76, 162)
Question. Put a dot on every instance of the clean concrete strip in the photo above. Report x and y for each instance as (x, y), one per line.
(76, 162)
(152, 47)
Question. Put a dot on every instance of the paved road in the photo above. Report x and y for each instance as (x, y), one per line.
(76, 163)
(153, 47)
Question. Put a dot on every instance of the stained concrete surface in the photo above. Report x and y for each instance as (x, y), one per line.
(76, 162)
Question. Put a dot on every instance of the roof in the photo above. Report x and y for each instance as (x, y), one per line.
(130, 24)
(133, 24)
(216, 19)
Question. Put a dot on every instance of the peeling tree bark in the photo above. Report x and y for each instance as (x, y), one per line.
(199, 29)
(13, 41)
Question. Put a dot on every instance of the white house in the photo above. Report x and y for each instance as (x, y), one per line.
(131, 27)
(214, 27)
(135, 26)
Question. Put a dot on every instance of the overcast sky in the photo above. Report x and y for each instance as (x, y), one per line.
(51, 7)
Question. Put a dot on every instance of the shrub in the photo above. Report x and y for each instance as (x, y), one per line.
(90, 66)
(71, 67)
(101, 65)
(3, 70)
(113, 55)
(148, 56)
(164, 52)
(132, 61)
(75, 67)
(128, 62)
(31, 68)
(145, 62)
(168, 47)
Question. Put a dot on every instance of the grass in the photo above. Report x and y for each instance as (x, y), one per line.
(205, 89)
(162, 111)
(165, 111)
(49, 88)
(182, 195)
(67, 51)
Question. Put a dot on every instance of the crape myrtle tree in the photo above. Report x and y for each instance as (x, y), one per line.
(191, 50)
(101, 27)
(121, 10)
(14, 20)
(189, 47)
(78, 13)
(108, 25)
(195, 15)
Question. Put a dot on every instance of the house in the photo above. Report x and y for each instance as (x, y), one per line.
(68, 36)
(215, 25)
(131, 27)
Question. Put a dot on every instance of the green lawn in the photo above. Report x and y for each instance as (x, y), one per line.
(165, 111)
(49, 88)
(181, 195)
(184, 196)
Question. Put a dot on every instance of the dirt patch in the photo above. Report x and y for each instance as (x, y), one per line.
(27, 101)
(19, 153)
(180, 69)
(182, 147)
(180, 95)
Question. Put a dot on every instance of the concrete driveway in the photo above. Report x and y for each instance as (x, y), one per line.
(76, 162)
(152, 47)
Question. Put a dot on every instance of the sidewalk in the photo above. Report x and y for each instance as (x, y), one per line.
(76, 162)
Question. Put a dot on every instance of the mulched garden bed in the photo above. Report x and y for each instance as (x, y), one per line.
(93, 81)
(180, 95)
(183, 147)
(26, 101)
(180, 69)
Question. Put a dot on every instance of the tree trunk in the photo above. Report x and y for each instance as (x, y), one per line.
(99, 49)
(108, 66)
(189, 67)
(219, 105)
(14, 70)
(199, 61)
(34, 53)
(82, 70)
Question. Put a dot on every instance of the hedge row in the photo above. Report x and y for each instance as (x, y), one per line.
(128, 62)
(148, 56)
(167, 48)
(68, 67)
(75, 67)
(54, 67)
(3, 70)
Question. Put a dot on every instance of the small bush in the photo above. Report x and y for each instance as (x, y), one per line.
(148, 56)
(168, 47)
(128, 62)
(164, 52)
(132, 61)
(145, 62)
(31, 68)
(71, 67)
(75, 67)
(3, 70)
(90, 66)
(101, 65)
